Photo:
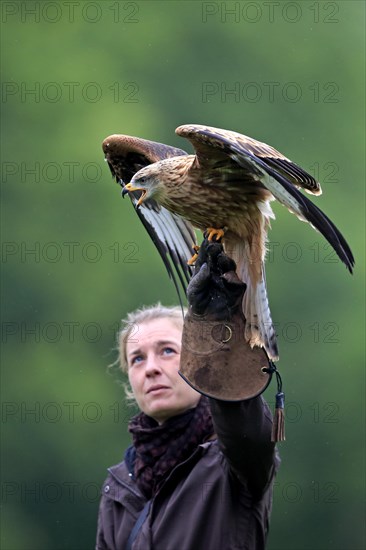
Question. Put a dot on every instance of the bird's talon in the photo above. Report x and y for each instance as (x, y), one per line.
(192, 260)
(213, 232)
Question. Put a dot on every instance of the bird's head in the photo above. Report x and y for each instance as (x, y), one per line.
(157, 180)
(146, 180)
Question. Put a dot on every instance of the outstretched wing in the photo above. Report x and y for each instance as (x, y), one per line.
(275, 172)
(172, 235)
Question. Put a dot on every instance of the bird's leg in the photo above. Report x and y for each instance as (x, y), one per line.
(212, 232)
(209, 234)
(195, 255)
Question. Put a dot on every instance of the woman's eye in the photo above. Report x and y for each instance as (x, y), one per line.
(136, 359)
(168, 351)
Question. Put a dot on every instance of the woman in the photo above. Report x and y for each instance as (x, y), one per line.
(199, 473)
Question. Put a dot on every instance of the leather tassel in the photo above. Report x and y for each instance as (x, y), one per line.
(278, 426)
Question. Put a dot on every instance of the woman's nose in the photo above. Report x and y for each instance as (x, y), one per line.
(152, 365)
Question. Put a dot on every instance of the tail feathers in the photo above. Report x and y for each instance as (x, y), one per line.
(259, 329)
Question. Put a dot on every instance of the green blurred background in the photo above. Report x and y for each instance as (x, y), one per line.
(76, 260)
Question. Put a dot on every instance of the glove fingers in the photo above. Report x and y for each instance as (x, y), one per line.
(231, 280)
(202, 255)
(215, 286)
(200, 280)
(198, 291)
(234, 288)
(225, 264)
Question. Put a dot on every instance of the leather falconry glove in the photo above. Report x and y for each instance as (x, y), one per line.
(216, 360)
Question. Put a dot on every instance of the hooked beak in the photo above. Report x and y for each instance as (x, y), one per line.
(129, 187)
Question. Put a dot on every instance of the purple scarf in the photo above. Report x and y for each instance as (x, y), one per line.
(160, 448)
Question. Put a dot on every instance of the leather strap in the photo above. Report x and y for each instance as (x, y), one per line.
(136, 528)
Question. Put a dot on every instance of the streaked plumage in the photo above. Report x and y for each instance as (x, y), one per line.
(229, 184)
(172, 235)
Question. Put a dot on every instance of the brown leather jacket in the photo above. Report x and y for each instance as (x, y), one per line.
(218, 499)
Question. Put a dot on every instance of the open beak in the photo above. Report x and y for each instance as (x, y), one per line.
(129, 187)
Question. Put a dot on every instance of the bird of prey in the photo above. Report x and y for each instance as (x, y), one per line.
(226, 188)
(172, 235)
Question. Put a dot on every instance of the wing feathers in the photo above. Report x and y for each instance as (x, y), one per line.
(273, 175)
(152, 225)
(205, 138)
(297, 203)
(298, 177)
(172, 235)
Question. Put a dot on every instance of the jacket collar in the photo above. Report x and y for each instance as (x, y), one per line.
(122, 473)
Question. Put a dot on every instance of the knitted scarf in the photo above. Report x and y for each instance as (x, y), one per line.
(160, 448)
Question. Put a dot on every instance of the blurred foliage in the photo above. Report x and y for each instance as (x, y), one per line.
(143, 68)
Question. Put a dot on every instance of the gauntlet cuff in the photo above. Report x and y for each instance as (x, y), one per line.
(217, 361)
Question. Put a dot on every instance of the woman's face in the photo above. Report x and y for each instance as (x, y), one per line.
(153, 354)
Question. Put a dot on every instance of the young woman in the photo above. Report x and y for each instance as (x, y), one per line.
(199, 472)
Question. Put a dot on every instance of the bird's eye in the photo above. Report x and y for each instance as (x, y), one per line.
(142, 180)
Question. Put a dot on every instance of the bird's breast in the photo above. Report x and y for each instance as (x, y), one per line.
(215, 209)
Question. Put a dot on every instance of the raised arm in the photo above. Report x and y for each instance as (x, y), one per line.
(244, 432)
(217, 361)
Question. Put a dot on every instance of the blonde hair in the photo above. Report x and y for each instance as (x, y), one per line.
(129, 331)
